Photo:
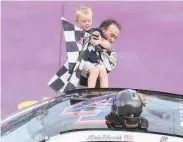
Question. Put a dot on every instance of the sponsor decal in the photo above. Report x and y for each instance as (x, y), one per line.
(104, 137)
(26, 104)
(109, 137)
(128, 138)
(164, 139)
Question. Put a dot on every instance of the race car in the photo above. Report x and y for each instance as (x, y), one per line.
(104, 114)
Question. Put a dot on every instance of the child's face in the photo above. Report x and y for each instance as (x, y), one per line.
(85, 21)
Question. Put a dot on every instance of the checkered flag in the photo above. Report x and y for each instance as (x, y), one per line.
(78, 49)
(68, 76)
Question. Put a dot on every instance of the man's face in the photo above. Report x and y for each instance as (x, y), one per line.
(111, 33)
(85, 21)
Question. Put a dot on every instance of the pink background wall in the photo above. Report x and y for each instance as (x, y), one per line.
(150, 46)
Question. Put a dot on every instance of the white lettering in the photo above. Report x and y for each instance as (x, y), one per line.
(181, 123)
(181, 105)
(181, 113)
(119, 103)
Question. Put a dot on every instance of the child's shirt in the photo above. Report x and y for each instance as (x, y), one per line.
(93, 57)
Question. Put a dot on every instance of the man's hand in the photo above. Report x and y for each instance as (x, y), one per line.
(96, 38)
(96, 35)
(95, 42)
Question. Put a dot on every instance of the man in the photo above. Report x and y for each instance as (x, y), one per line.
(70, 74)
(109, 30)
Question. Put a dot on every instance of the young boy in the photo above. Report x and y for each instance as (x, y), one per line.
(95, 70)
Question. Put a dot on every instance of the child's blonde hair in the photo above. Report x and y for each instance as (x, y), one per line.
(82, 9)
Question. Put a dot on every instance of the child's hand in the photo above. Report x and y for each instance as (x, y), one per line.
(94, 42)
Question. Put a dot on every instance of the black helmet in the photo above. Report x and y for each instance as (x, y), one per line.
(127, 103)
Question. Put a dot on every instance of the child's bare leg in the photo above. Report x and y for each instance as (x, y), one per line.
(93, 75)
(103, 77)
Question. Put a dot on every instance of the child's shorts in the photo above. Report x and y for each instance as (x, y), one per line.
(87, 66)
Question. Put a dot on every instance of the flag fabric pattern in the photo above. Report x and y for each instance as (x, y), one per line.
(78, 48)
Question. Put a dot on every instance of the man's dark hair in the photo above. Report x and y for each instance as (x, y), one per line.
(106, 23)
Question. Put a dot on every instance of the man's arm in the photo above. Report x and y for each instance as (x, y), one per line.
(98, 40)
(105, 44)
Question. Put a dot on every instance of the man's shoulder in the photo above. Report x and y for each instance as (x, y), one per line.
(96, 29)
(100, 31)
